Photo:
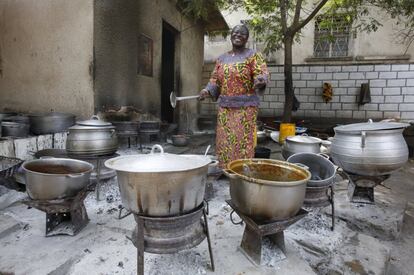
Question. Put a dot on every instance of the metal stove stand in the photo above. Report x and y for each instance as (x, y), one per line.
(321, 197)
(361, 188)
(255, 232)
(99, 159)
(165, 235)
(64, 216)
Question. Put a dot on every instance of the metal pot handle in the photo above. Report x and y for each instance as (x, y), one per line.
(363, 137)
(302, 165)
(229, 174)
(95, 117)
(159, 147)
(74, 175)
(46, 157)
(324, 155)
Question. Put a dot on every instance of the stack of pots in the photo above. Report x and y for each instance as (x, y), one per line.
(92, 137)
(323, 176)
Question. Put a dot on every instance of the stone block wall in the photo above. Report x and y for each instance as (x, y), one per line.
(391, 87)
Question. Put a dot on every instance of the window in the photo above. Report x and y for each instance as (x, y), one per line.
(332, 37)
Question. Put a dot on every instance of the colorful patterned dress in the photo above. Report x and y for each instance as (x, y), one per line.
(231, 83)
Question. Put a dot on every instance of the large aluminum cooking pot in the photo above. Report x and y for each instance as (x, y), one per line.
(50, 123)
(370, 149)
(55, 178)
(267, 189)
(301, 144)
(92, 137)
(161, 184)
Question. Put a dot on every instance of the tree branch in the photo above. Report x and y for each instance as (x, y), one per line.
(297, 12)
(296, 28)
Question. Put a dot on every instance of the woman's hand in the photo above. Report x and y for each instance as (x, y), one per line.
(260, 83)
(203, 94)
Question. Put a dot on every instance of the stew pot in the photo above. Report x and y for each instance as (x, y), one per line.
(92, 137)
(371, 148)
(161, 184)
(55, 178)
(267, 189)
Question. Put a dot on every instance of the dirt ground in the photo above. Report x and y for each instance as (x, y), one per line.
(368, 239)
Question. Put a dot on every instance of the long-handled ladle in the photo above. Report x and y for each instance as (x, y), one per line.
(174, 98)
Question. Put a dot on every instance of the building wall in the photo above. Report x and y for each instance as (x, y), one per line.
(391, 88)
(45, 56)
(380, 43)
(117, 26)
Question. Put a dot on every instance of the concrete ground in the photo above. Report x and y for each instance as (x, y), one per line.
(368, 239)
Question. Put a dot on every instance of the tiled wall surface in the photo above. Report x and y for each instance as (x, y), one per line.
(391, 88)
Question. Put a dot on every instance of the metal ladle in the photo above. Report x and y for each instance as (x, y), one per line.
(174, 98)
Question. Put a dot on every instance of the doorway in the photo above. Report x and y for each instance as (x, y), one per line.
(168, 69)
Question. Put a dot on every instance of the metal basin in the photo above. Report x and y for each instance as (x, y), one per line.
(160, 184)
(267, 189)
(55, 178)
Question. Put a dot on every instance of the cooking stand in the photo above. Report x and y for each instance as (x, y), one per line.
(361, 188)
(161, 225)
(255, 232)
(321, 197)
(63, 216)
(99, 159)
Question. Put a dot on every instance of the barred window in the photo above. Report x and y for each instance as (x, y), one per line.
(331, 36)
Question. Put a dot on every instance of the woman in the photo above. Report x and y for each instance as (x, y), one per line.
(238, 77)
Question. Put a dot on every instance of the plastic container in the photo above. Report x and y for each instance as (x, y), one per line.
(286, 130)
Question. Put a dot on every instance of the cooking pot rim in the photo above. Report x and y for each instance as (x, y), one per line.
(110, 163)
(91, 167)
(307, 139)
(51, 114)
(370, 127)
(275, 163)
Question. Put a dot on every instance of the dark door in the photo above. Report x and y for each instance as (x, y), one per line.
(167, 71)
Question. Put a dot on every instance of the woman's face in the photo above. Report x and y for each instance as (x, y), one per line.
(239, 37)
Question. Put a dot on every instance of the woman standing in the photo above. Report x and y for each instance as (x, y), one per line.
(238, 77)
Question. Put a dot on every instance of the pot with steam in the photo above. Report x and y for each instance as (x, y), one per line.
(161, 184)
(267, 189)
(371, 148)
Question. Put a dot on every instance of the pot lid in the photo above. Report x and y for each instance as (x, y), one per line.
(304, 139)
(157, 162)
(94, 121)
(370, 126)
